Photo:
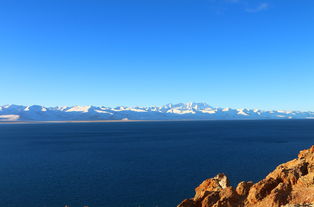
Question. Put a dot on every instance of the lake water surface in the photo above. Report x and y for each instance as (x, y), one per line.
(134, 164)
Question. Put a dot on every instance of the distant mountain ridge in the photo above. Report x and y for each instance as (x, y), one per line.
(181, 111)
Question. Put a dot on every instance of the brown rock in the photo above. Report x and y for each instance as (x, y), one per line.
(261, 189)
(187, 203)
(228, 198)
(280, 195)
(210, 199)
(290, 184)
(217, 183)
(243, 188)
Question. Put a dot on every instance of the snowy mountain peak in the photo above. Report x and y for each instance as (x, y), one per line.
(35, 108)
(83, 109)
(186, 111)
(188, 106)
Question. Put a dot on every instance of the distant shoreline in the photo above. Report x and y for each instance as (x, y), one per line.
(94, 121)
(82, 121)
(125, 121)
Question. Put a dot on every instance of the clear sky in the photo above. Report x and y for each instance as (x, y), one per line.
(228, 53)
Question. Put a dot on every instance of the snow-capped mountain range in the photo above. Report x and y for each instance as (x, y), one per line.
(181, 111)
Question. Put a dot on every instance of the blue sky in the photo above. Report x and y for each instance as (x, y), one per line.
(228, 53)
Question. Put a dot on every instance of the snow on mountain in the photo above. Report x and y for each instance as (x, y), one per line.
(83, 109)
(9, 117)
(181, 111)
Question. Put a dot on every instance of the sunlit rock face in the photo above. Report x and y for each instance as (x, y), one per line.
(291, 184)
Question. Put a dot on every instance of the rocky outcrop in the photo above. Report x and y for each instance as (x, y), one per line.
(290, 184)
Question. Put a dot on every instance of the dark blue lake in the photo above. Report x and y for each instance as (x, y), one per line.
(134, 164)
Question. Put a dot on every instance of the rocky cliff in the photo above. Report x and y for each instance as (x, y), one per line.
(290, 184)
